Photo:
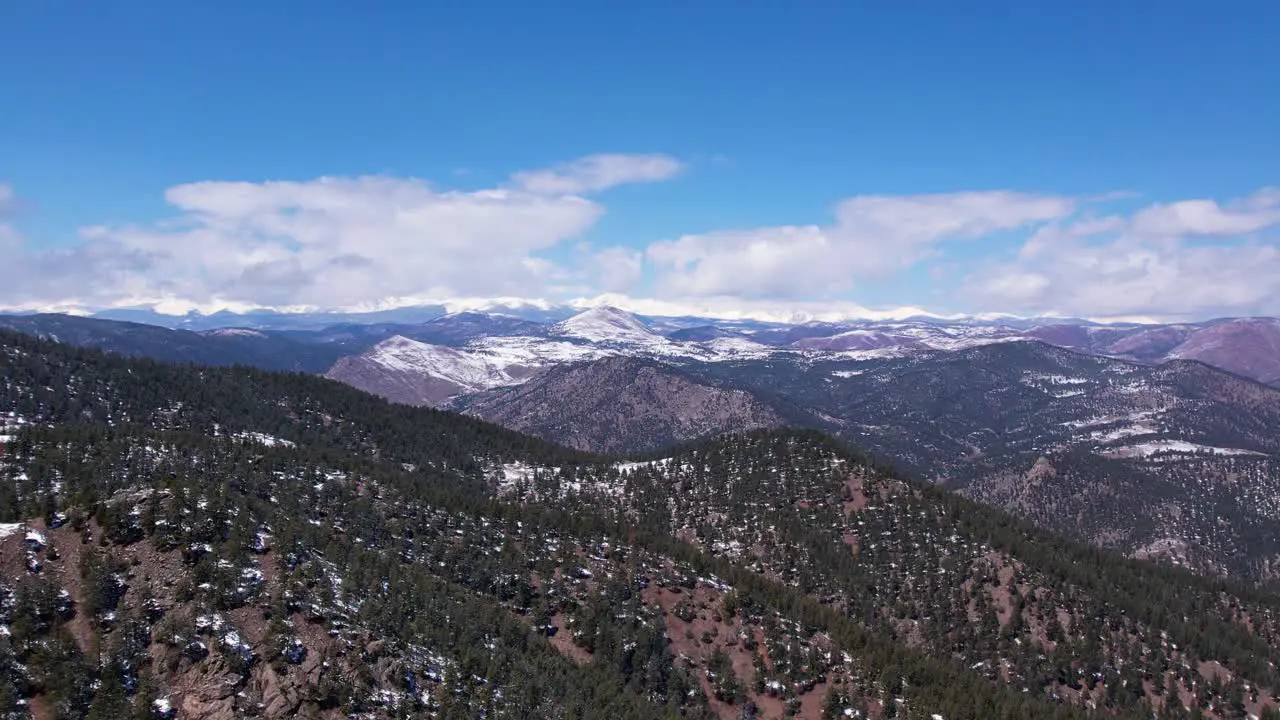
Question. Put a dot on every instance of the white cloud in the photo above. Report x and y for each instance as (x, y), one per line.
(1208, 218)
(330, 242)
(377, 241)
(595, 173)
(616, 269)
(1184, 259)
(341, 241)
(8, 236)
(871, 235)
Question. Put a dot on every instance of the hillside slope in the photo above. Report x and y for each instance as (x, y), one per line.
(230, 543)
(1052, 435)
(621, 405)
(225, 346)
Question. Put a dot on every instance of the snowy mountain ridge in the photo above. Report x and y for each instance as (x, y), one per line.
(471, 371)
(460, 352)
(490, 362)
(606, 324)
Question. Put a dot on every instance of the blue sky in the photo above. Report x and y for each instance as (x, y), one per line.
(1091, 158)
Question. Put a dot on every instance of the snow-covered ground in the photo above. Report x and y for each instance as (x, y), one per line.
(629, 466)
(1052, 379)
(263, 439)
(470, 370)
(1154, 447)
(1137, 417)
(604, 324)
(504, 354)
(235, 332)
(501, 361)
(846, 373)
(10, 424)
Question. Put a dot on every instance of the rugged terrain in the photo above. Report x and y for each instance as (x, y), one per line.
(1055, 436)
(1174, 461)
(1052, 435)
(621, 405)
(226, 542)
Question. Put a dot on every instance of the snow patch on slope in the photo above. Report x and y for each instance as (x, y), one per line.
(468, 370)
(847, 373)
(507, 353)
(263, 439)
(1154, 447)
(235, 332)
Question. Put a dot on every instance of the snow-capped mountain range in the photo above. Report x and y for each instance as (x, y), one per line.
(422, 372)
(428, 358)
(417, 372)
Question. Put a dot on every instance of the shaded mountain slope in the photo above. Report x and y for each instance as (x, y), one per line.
(621, 404)
(227, 346)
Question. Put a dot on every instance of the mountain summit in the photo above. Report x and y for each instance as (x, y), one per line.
(606, 324)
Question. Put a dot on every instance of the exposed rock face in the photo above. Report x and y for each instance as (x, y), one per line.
(621, 404)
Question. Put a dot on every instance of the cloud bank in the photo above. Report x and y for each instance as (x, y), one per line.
(871, 236)
(1185, 259)
(374, 241)
(334, 241)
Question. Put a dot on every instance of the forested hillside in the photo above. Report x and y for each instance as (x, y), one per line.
(221, 543)
(224, 346)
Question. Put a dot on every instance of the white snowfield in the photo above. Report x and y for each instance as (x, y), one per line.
(467, 369)
(7, 529)
(1155, 447)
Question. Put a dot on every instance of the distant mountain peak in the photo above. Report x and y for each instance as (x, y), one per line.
(605, 323)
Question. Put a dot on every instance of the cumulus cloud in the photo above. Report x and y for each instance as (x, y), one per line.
(871, 235)
(616, 269)
(595, 173)
(1208, 218)
(379, 241)
(1190, 258)
(330, 242)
